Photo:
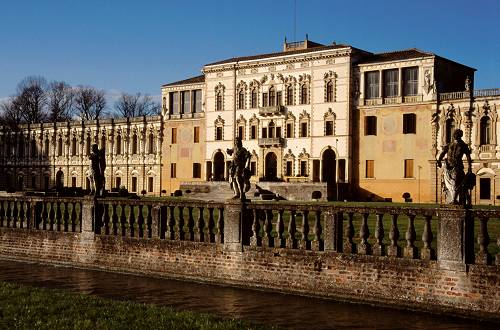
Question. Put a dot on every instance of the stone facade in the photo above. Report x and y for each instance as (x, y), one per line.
(47, 156)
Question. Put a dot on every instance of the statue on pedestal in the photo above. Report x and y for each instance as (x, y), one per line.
(239, 171)
(457, 184)
(96, 171)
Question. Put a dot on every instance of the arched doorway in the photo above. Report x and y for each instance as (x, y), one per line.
(59, 179)
(329, 172)
(271, 167)
(219, 166)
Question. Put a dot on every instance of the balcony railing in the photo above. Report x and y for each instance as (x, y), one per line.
(271, 111)
(487, 148)
(377, 101)
(271, 142)
(412, 98)
(454, 96)
(392, 100)
(487, 92)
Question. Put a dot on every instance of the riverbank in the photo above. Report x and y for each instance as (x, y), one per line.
(25, 307)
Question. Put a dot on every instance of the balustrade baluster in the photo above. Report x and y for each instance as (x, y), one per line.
(58, 215)
(179, 235)
(114, 219)
(394, 250)
(3, 223)
(200, 225)
(8, 214)
(427, 252)
(317, 244)
(364, 233)
(410, 250)
(349, 245)
(190, 224)
(497, 257)
(66, 216)
(379, 247)
(140, 221)
(105, 218)
(305, 243)
(148, 226)
(163, 222)
(279, 240)
(123, 221)
(171, 223)
(255, 240)
(45, 215)
(483, 239)
(267, 240)
(52, 215)
(73, 216)
(14, 214)
(291, 241)
(220, 225)
(22, 214)
(131, 221)
(211, 225)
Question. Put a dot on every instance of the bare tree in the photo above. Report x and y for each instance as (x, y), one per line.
(89, 103)
(135, 105)
(11, 113)
(31, 98)
(59, 101)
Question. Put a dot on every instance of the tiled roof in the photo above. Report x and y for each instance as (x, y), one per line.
(404, 54)
(270, 55)
(192, 80)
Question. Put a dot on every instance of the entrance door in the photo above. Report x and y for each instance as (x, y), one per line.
(329, 172)
(219, 166)
(484, 188)
(59, 179)
(271, 167)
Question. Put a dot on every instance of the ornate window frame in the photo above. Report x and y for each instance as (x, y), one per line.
(241, 89)
(304, 156)
(452, 113)
(290, 119)
(219, 97)
(254, 87)
(330, 79)
(241, 122)
(254, 121)
(219, 123)
(330, 116)
(289, 157)
(487, 111)
(304, 117)
(305, 85)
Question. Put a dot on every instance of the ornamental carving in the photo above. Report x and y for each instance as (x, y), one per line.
(303, 154)
(429, 83)
(304, 115)
(330, 114)
(219, 121)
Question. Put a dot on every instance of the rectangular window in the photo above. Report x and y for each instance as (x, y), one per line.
(173, 170)
(134, 184)
(289, 130)
(264, 132)
(253, 168)
(370, 169)
(329, 127)
(289, 168)
(218, 133)
(391, 83)
(279, 98)
(196, 170)
(408, 168)
(118, 182)
(264, 100)
(33, 182)
(372, 84)
(240, 132)
(174, 103)
(150, 184)
(253, 132)
(174, 135)
(186, 104)
(409, 123)
(341, 172)
(196, 97)
(196, 134)
(303, 129)
(370, 125)
(73, 182)
(278, 131)
(303, 168)
(484, 188)
(410, 81)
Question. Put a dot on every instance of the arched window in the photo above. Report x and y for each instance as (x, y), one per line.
(329, 91)
(60, 146)
(218, 101)
(151, 143)
(46, 148)
(134, 144)
(303, 94)
(449, 129)
(73, 146)
(34, 151)
(118, 144)
(21, 147)
(241, 99)
(289, 95)
(272, 97)
(485, 131)
(253, 103)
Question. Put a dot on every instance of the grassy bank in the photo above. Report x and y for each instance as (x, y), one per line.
(23, 307)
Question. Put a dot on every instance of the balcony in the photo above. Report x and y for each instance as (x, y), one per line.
(487, 92)
(454, 96)
(487, 148)
(392, 100)
(377, 101)
(272, 110)
(271, 142)
(412, 98)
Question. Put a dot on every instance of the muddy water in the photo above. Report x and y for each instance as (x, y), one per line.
(256, 306)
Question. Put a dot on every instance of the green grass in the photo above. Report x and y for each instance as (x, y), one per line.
(23, 307)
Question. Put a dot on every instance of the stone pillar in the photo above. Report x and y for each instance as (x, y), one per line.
(233, 238)
(455, 243)
(88, 206)
(155, 221)
(333, 231)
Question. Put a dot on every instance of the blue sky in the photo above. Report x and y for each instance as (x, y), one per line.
(135, 46)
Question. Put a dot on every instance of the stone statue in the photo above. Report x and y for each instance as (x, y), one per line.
(96, 171)
(239, 171)
(467, 84)
(456, 183)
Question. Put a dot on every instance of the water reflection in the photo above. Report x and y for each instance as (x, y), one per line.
(257, 306)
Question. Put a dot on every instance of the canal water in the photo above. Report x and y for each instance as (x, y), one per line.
(256, 306)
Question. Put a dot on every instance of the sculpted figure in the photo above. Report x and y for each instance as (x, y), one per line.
(96, 171)
(239, 172)
(456, 183)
